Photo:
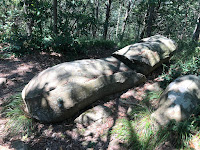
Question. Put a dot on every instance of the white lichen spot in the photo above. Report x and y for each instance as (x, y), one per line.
(44, 102)
(174, 113)
(172, 96)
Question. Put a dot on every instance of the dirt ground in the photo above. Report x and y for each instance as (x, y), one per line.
(67, 134)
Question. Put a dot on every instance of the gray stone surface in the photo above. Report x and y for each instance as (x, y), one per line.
(146, 56)
(62, 91)
(179, 100)
(96, 114)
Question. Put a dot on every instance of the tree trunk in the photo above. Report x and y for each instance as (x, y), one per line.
(118, 20)
(96, 17)
(3, 20)
(196, 33)
(150, 19)
(29, 20)
(185, 22)
(152, 10)
(125, 20)
(97, 9)
(55, 4)
(106, 23)
(74, 26)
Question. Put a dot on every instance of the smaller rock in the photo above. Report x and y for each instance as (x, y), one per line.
(130, 110)
(19, 145)
(96, 114)
(3, 81)
(165, 146)
(179, 100)
(154, 87)
(114, 144)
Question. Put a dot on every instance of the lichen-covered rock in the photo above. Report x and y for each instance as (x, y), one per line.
(147, 55)
(179, 100)
(62, 91)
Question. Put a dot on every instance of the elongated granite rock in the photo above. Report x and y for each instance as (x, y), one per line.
(62, 91)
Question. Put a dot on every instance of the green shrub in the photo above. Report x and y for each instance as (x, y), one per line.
(125, 43)
(90, 43)
(62, 43)
(22, 44)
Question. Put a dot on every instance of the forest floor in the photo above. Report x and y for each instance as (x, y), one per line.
(67, 134)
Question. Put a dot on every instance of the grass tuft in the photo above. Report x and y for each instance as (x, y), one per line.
(138, 131)
(19, 121)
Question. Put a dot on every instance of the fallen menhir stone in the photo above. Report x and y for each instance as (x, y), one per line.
(62, 91)
(179, 100)
(146, 56)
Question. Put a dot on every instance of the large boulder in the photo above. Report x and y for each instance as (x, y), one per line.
(62, 91)
(179, 100)
(147, 55)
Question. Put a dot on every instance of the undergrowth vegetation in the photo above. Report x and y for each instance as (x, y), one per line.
(185, 61)
(136, 131)
(20, 45)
